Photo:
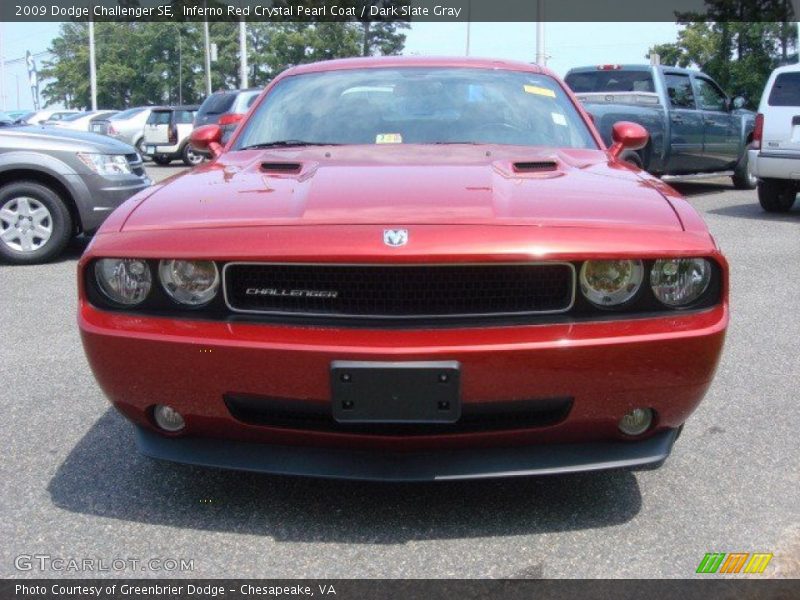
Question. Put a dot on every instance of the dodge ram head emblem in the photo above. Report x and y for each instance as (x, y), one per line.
(395, 237)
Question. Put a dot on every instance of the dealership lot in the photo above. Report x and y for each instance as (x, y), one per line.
(74, 486)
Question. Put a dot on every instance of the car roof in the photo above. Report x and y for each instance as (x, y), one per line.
(180, 107)
(788, 68)
(629, 68)
(377, 62)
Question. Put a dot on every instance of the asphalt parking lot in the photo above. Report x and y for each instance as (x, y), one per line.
(73, 485)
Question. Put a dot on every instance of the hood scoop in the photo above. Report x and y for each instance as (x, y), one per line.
(281, 167)
(539, 166)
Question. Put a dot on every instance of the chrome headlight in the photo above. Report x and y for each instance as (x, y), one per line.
(106, 164)
(190, 282)
(124, 281)
(680, 281)
(610, 283)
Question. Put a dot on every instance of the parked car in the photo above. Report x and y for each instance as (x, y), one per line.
(694, 126)
(40, 116)
(166, 135)
(457, 280)
(226, 109)
(80, 121)
(57, 183)
(19, 114)
(775, 154)
(126, 126)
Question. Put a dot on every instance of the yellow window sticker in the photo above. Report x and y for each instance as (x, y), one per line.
(540, 91)
(388, 138)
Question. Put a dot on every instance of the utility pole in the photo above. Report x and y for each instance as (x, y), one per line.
(2, 71)
(208, 59)
(541, 57)
(243, 55)
(469, 25)
(180, 68)
(92, 66)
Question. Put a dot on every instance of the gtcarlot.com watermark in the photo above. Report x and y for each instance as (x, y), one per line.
(69, 564)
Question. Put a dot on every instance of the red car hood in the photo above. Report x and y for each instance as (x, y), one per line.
(406, 184)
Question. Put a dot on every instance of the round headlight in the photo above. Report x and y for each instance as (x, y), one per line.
(609, 283)
(680, 281)
(190, 282)
(123, 280)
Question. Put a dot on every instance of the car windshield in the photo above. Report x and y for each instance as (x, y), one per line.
(76, 116)
(126, 114)
(417, 106)
(218, 103)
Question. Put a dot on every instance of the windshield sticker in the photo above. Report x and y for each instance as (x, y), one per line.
(559, 119)
(540, 91)
(388, 138)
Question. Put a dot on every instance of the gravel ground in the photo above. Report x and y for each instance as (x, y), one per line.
(73, 485)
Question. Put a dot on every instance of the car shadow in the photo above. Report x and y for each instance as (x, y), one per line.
(105, 476)
(753, 210)
(699, 188)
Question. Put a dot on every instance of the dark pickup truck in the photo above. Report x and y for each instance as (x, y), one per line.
(694, 126)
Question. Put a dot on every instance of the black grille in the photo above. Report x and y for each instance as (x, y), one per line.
(399, 291)
(285, 413)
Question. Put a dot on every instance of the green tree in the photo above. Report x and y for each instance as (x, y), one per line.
(163, 62)
(737, 43)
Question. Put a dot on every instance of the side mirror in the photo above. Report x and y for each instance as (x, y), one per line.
(207, 138)
(739, 102)
(627, 136)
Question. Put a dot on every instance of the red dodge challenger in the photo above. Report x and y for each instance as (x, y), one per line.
(407, 269)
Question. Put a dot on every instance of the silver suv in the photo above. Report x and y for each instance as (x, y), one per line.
(55, 184)
(126, 126)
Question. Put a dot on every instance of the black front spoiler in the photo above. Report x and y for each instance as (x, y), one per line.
(430, 465)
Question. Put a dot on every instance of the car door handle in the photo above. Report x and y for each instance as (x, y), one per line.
(677, 119)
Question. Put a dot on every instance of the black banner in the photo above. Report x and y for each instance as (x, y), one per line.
(405, 10)
(231, 589)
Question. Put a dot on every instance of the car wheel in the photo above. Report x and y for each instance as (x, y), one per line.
(742, 178)
(35, 224)
(776, 195)
(190, 157)
(161, 159)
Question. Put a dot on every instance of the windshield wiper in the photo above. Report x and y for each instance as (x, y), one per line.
(286, 144)
(456, 143)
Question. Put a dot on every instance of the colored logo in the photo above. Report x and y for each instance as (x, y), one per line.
(734, 562)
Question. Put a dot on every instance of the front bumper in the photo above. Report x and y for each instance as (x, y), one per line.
(468, 463)
(97, 196)
(606, 368)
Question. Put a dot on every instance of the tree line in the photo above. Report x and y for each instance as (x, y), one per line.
(143, 63)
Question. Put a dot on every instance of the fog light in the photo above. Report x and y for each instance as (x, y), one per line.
(168, 418)
(637, 421)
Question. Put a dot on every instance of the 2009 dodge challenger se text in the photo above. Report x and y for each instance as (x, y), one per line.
(407, 269)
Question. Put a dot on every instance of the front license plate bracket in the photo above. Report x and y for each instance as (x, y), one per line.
(396, 392)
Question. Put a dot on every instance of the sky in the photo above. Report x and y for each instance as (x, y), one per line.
(566, 45)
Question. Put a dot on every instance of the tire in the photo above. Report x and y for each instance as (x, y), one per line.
(742, 178)
(161, 159)
(28, 208)
(776, 195)
(190, 157)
